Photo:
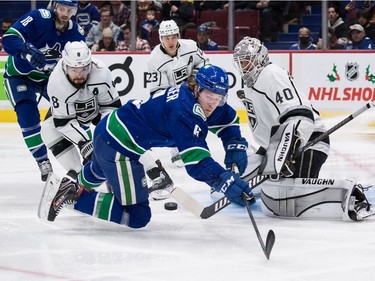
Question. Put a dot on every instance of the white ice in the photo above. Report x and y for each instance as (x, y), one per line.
(176, 245)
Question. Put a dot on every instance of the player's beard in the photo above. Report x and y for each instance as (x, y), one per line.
(61, 23)
(78, 83)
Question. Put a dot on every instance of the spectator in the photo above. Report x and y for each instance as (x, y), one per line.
(271, 16)
(106, 44)
(148, 24)
(95, 33)
(359, 41)
(363, 18)
(207, 6)
(5, 25)
(87, 15)
(141, 45)
(182, 12)
(121, 13)
(203, 41)
(145, 5)
(337, 30)
(305, 41)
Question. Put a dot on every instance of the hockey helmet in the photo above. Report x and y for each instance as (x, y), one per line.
(71, 3)
(214, 79)
(250, 56)
(76, 54)
(168, 27)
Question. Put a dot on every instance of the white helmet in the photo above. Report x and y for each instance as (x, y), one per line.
(76, 54)
(250, 57)
(168, 27)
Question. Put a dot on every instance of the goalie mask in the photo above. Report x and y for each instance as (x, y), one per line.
(76, 62)
(250, 57)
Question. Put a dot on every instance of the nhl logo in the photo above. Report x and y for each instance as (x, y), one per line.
(351, 71)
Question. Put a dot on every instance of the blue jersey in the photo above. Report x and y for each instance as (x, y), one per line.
(37, 27)
(365, 44)
(87, 16)
(171, 118)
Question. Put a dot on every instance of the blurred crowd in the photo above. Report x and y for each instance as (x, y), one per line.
(351, 24)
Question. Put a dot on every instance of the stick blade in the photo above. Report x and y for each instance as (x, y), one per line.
(270, 241)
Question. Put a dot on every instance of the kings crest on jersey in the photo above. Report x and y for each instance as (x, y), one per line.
(84, 103)
(178, 68)
(38, 27)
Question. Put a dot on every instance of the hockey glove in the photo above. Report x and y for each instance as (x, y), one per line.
(86, 149)
(33, 55)
(235, 153)
(233, 188)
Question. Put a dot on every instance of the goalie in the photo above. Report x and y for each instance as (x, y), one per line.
(283, 120)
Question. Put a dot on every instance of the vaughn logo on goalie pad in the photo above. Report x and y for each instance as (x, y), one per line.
(283, 150)
(318, 181)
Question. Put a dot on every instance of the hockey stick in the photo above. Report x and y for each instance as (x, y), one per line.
(206, 212)
(270, 240)
(368, 105)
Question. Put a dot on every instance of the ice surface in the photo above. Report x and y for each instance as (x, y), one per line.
(176, 245)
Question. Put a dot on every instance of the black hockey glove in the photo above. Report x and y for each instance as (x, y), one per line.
(33, 55)
(86, 149)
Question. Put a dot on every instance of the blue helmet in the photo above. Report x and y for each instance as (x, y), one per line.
(71, 3)
(214, 79)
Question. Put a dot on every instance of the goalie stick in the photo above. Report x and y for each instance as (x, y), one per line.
(205, 212)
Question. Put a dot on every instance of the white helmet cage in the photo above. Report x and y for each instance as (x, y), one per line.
(250, 57)
(168, 27)
(76, 54)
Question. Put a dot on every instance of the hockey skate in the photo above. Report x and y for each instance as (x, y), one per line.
(359, 208)
(45, 168)
(162, 184)
(49, 191)
(67, 194)
(176, 158)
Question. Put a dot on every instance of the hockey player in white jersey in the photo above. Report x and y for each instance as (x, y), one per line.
(283, 120)
(81, 92)
(172, 62)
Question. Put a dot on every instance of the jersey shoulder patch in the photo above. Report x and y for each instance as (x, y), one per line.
(198, 110)
(44, 13)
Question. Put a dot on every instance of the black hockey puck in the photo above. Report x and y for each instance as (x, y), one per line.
(170, 206)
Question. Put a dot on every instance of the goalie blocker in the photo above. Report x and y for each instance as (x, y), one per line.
(315, 198)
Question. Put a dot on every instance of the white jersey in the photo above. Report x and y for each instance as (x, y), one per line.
(72, 107)
(165, 71)
(275, 99)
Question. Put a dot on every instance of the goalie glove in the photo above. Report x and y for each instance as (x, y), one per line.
(235, 153)
(234, 188)
(33, 55)
(86, 148)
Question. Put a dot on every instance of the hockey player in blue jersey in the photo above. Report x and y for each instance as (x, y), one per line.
(34, 44)
(178, 116)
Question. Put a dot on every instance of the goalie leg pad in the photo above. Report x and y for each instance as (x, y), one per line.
(282, 145)
(307, 198)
